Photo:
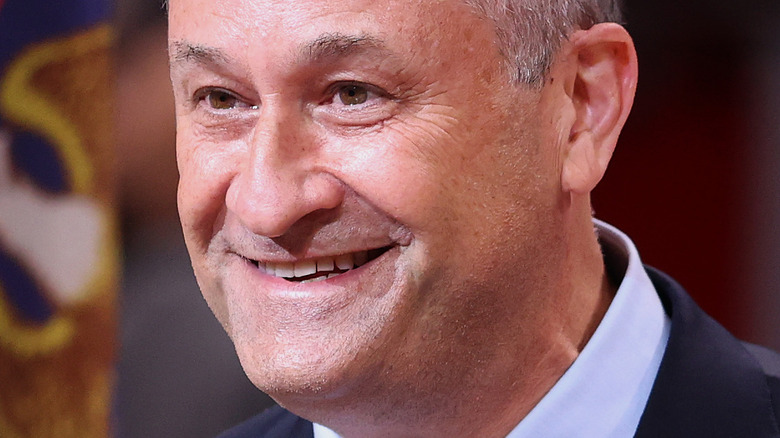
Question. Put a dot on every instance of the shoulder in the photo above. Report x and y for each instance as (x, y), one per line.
(768, 359)
(709, 383)
(275, 422)
(770, 363)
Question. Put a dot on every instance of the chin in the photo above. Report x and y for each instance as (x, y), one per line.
(295, 375)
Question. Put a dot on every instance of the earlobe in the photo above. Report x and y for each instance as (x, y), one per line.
(602, 95)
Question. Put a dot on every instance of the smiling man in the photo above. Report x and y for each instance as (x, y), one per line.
(387, 207)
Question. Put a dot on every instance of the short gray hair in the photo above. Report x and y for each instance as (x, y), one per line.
(530, 32)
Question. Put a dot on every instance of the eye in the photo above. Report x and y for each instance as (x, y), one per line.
(353, 94)
(356, 94)
(352, 103)
(220, 99)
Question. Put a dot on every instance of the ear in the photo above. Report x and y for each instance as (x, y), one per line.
(601, 94)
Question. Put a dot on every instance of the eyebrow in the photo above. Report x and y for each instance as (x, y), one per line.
(182, 52)
(331, 46)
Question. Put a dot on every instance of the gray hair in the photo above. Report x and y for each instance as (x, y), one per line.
(530, 32)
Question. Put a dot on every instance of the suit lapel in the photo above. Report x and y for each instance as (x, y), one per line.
(708, 385)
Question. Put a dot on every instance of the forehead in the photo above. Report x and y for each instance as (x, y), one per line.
(267, 24)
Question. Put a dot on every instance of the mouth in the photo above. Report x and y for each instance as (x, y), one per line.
(321, 268)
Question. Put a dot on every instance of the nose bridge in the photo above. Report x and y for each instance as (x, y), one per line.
(274, 142)
(281, 181)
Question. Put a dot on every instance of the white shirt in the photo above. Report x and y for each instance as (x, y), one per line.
(604, 392)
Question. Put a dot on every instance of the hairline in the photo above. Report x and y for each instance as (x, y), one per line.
(529, 33)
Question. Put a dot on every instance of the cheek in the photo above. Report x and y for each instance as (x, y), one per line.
(396, 170)
(205, 172)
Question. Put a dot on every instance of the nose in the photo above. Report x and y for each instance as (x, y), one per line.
(282, 180)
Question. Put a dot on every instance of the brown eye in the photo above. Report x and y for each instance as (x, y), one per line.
(219, 99)
(353, 95)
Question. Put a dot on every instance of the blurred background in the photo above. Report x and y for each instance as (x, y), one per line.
(178, 374)
(695, 181)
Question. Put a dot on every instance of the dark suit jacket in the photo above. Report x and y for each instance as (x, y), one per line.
(709, 385)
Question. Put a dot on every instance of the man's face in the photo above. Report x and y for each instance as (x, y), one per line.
(361, 188)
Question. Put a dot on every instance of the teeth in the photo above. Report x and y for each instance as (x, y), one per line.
(325, 265)
(268, 268)
(284, 270)
(305, 267)
(312, 280)
(344, 261)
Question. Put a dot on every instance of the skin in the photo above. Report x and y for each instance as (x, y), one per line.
(491, 279)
